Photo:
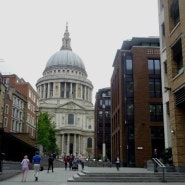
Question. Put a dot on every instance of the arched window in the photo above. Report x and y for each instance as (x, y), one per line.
(89, 142)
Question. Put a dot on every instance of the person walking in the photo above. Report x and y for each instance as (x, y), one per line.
(82, 161)
(50, 162)
(155, 155)
(25, 167)
(70, 160)
(117, 161)
(65, 160)
(36, 164)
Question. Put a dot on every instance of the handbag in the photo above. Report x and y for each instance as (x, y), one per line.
(41, 168)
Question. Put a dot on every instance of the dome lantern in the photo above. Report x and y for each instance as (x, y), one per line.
(65, 57)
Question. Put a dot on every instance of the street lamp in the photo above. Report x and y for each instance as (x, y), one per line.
(104, 142)
(36, 126)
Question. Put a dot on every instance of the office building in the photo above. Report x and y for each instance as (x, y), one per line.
(102, 124)
(136, 102)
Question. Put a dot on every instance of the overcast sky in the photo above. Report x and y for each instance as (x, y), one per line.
(32, 30)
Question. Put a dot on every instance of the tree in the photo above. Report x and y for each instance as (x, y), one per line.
(46, 133)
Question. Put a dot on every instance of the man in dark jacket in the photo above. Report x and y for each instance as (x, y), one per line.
(155, 155)
(50, 162)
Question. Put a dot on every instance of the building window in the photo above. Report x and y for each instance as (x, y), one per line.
(129, 87)
(174, 13)
(107, 102)
(156, 112)
(165, 67)
(107, 114)
(89, 142)
(130, 111)
(177, 57)
(6, 109)
(129, 65)
(157, 132)
(155, 87)
(100, 114)
(5, 122)
(154, 67)
(154, 70)
(71, 119)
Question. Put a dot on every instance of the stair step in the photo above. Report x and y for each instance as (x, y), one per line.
(127, 177)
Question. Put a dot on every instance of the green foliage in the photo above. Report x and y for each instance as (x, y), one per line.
(89, 152)
(46, 133)
(166, 156)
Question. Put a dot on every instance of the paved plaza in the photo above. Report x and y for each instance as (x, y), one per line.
(60, 177)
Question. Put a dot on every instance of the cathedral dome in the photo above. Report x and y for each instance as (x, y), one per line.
(65, 57)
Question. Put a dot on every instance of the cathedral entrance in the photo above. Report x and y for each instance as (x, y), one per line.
(71, 148)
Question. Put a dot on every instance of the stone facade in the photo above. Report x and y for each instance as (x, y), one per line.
(66, 94)
(172, 35)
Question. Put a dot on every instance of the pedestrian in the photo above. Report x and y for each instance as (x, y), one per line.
(65, 160)
(25, 167)
(82, 161)
(36, 164)
(71, 158)
(155, 155)
(50, 162)
(117, 161)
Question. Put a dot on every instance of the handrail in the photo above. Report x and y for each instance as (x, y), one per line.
(160, 164)
(156, 160)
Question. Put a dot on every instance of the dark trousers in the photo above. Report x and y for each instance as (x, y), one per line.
(117, 166)
(82, 163)
(50, 165)
(65, 166)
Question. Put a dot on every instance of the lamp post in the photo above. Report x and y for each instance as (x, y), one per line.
(36, 126)
(104, 142)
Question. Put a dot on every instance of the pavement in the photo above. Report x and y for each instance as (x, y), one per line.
(60, 177)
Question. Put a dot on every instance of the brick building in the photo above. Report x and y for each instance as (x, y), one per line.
(17, 130)
(24, 105)
(172, 50)
(102, 124)
(136, 102)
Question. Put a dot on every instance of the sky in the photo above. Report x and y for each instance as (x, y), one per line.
(32, 30)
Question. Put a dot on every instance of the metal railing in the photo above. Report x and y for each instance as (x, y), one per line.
(161, 165)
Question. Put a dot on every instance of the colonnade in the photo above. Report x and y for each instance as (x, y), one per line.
(65, 90)
(71, 143)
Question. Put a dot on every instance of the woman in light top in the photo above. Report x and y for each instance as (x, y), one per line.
(25, 167)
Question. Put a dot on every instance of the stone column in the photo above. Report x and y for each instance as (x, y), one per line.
(70, 91)
(79, 144)
(75, 144)
(64, 89)
(68, 142)
(85, 93)
(44, 91)
(62, 150)
(48, 90)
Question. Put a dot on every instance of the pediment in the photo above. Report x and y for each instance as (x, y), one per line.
(71, 106)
